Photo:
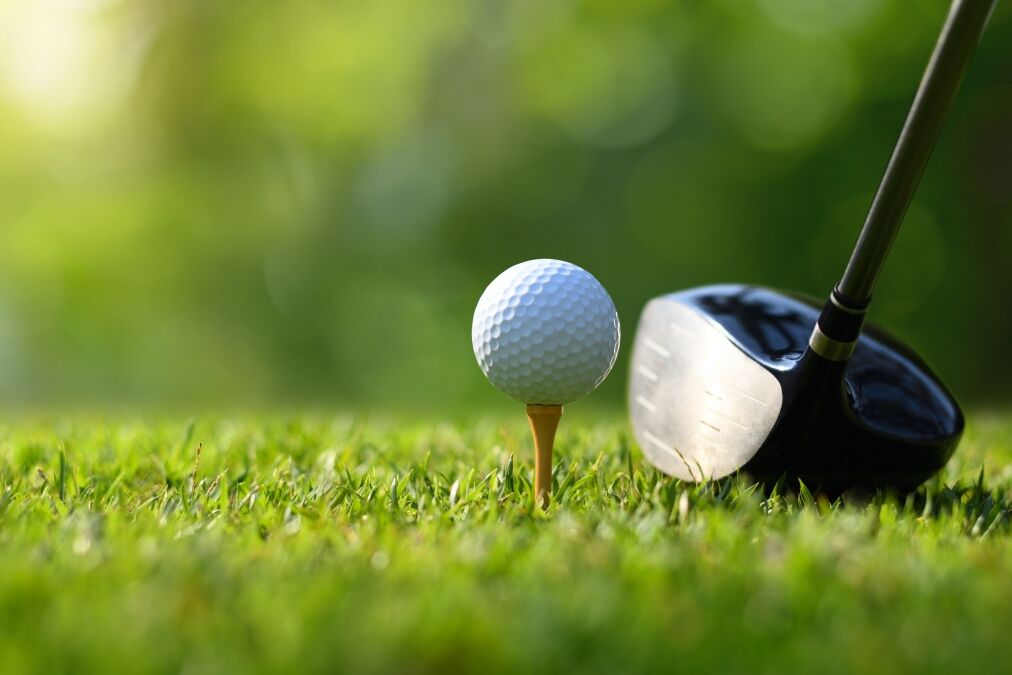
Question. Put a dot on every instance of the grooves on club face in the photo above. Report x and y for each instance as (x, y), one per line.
(722, 380)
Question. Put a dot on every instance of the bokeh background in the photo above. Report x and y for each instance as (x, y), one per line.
(255, 203)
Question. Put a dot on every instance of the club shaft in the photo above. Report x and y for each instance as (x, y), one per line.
(941, 80)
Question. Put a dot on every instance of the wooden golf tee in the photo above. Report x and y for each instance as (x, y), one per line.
(544, 420)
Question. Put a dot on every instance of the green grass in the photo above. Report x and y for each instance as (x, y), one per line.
(345, 544)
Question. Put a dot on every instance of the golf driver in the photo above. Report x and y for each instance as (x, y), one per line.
(741, 378)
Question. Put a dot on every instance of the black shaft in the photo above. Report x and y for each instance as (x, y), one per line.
(941, 80)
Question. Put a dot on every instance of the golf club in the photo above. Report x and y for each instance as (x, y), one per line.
(777, 385)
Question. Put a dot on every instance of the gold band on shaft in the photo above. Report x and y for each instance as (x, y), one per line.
(828, 348)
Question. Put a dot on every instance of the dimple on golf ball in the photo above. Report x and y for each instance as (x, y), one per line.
(545, 332)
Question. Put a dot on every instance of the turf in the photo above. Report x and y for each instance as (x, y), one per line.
(363, 544)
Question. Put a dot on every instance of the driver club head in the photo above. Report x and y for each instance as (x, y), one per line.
(741, 378)
(722, 380)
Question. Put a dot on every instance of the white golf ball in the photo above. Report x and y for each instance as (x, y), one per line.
(545, 332)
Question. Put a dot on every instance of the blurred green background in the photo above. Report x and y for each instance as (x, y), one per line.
(259, 203)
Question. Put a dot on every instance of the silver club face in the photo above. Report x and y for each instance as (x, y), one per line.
(700, 407)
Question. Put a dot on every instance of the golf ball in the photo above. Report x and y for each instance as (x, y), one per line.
(545, 332)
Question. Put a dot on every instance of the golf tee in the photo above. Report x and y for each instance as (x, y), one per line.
(544, 420)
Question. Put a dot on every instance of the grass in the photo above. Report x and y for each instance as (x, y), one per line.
(344, 544)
